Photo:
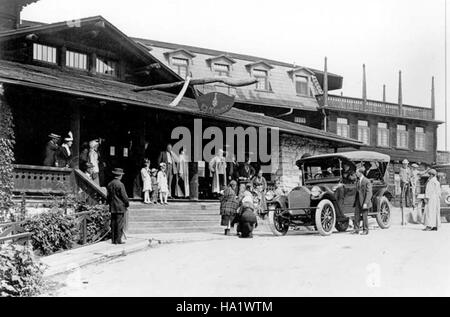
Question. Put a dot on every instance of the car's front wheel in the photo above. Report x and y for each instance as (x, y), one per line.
(325, 217)
(278, 224)
(384, 213)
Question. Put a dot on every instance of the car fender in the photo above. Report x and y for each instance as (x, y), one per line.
(377, 197)
(282, 201)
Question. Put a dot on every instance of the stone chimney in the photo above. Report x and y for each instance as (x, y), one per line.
(10, 13)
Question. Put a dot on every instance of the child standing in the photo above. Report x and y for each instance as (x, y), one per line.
(163, 186)
(154, 179)
(146, 181)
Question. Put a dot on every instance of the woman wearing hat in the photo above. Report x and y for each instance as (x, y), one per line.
(50, 150)
(64, 153)
(93, 159)
(163, 186)
(432, 215)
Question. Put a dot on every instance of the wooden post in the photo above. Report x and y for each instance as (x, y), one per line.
(84, 224)
(193, 182)
(76, 131)
(325, 93)
(400, 94)
(384, 93)
(433, 100)
(364, 88)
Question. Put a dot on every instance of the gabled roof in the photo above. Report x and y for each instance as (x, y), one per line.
(221, 56)
(181, 50)
(56, 80)
(263, 63)
(298, 69)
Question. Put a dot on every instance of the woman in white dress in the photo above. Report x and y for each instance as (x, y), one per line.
(432, 215)
(163, 186)
(146, 181)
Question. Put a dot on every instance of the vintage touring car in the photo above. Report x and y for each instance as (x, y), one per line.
(326, 200)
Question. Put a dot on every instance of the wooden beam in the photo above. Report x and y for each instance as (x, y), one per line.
(202, 81)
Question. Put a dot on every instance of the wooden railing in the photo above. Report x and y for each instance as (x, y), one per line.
(42, 179)
(379, 107)
(14, 232)
(95, 193)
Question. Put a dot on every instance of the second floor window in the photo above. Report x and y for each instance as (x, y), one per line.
(263, 79)
(383, 135)
(420, 139)
(181, 66)
(44, 53)
(402, 136)
(221, 69)
(343, 128)
(106, 67)
(76, 60)
(363, 132)
(301, 85)
(301, 120)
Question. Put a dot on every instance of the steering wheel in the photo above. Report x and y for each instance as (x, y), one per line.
(318, 175)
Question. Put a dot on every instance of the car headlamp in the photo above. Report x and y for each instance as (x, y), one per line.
(315, 191)
(270, 195)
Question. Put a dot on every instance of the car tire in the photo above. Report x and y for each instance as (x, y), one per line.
(342, 226)
(384, 213)
(325, 217)
(277, 228)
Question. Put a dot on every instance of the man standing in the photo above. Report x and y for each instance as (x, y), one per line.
(363, 201)
(170, 159)
(405, 181)
(432, 215)
(50, 150)
(117, 199)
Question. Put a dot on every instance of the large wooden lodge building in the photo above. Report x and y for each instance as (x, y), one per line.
(80, 76)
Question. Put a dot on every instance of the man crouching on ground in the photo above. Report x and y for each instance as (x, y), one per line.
(117, 200)
(246, 218)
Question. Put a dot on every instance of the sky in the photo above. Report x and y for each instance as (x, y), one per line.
(386, 35)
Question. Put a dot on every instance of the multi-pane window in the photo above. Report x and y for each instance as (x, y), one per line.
(383, 134)
(181, 66)
(221, 69)
(301, 120)
(44, 53)
(420, 139)
(106, 66)
(76, 60)
(301, 85)
(263, 79)
(343, 129)
(363, 132)
(402, 136)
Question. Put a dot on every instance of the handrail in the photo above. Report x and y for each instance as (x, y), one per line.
(42, 168)
(89, 184)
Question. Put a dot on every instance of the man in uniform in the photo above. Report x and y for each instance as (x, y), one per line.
(117, 199)
(405, 182)
(363, 201)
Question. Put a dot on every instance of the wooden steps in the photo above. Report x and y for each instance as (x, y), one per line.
(173, 218)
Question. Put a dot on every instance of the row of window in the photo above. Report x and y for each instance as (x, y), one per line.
(76, 60)
(181, 67)
(343, 129)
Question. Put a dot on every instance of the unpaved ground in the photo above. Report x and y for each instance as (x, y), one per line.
(400, 261)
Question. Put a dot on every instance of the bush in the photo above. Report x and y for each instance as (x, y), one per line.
(52, 231)
(20, 273)
(97, 223)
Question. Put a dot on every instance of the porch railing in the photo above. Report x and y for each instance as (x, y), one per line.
(42, 179)
(14, 232)
(378, 107)
(89, 187)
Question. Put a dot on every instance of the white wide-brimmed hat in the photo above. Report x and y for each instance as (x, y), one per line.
(405, 161)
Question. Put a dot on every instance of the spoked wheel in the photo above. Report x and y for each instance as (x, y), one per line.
(325, 217)
(384, 213)
(278, 224)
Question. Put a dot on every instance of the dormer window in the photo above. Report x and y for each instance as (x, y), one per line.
(221, 69)
(76, 60)
(44, 53)
(263, 79)
(181, 66)
(106, 66)
(301, 85)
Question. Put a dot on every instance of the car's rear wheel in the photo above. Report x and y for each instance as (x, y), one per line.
(342, 226)
(384, 213)
(325, 217)
(278, 225)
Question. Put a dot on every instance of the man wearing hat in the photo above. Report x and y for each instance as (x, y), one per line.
(50, 150)
(432, 214)
(64, 154)
(363, 201)
(405, 181)
(415, 182)
(117, 199)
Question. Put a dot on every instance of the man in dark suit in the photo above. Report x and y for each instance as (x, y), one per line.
(363, 201)
(171, 160)
(117, 199)
(50, 150)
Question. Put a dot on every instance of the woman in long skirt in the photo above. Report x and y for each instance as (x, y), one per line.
(228, 206)
(146, 181)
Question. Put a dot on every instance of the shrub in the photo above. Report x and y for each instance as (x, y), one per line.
(20, 273)
(97, 223)
(52, 231)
